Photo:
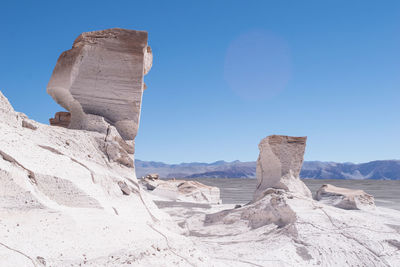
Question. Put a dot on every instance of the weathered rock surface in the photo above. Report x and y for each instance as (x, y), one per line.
(271, 209)
(279, 165)
(71, 197)
(65, 202)
(181, 190)
(103, 75)
(344, 198)
(294, 228)
(62, 119)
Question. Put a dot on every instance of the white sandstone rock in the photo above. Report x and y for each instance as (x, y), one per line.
(271, 209)
(181, 190)
(292, 230)
(103, 75)
(66, 200)
(344, 198)
(279, 165)
(292, 227)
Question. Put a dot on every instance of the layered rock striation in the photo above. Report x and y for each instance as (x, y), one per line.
(102, 75)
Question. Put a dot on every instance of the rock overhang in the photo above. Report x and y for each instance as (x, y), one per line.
(102, 75)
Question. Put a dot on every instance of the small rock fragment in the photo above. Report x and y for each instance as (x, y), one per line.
(41, 260)
(152, 176)
(124, 188)
(344, 198)
(61, 119)
(28, 124)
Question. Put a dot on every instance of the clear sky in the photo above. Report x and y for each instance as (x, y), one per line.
(228, 73)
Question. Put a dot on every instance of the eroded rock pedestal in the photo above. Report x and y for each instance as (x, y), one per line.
(279, 164)
(278, 169)
(102, 75)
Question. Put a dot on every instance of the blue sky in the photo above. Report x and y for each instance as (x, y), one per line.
(228, 73)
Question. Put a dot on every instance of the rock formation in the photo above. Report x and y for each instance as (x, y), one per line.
(70, 197)
(344, 198)
(272, 209)
(102, 75)
(62, 119)
(294, 228)
(279, 165)
(181, 190)
(278, 169)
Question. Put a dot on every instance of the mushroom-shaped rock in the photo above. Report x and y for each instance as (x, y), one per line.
(279, 165)
(344, 198)
(102, 75)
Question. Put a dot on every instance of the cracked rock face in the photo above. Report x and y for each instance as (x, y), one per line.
(279, 164)
(344, 198)
(102, 75)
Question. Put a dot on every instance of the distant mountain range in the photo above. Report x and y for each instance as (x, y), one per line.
(380, 169)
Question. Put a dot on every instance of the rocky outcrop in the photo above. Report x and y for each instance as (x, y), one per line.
(181, 190)
(62, 119)
(59, 163)
(279, 165)
(295, 229)
(271, 209)
(71, 197)
(344, 198)
(278, 168)
(102, 75)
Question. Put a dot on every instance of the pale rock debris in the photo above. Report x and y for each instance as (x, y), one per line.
(181, 190)
(62, 119)
(271, 209)
(344, 198)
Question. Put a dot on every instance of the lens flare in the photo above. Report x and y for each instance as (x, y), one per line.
(257, 65)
